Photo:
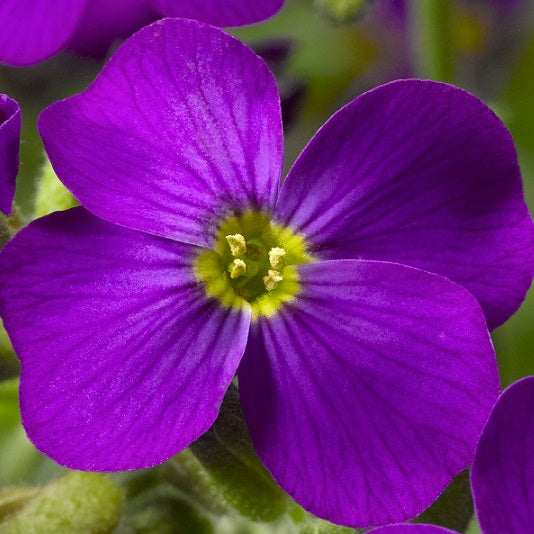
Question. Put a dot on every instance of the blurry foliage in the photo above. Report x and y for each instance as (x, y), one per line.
(51, 195)
(514, 341)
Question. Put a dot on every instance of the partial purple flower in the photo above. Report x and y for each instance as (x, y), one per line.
(502, 476)
(365, 378)
(412, 529)
(34, 30)
(105, 21)
(10, 125)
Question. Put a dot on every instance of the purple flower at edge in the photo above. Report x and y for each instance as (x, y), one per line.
(365, 373)
(502, 476)
(10, 125)
(34, 30)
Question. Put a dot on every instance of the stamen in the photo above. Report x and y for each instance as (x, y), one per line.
(272, 279)
(237, 268)
(237, 244)
(276, 257)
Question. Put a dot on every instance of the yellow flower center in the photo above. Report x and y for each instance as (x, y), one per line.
(253, 261)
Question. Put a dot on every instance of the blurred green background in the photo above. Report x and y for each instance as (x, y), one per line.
(485, 46)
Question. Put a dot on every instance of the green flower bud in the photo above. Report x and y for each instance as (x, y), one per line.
(14, 498)
(76, 502)
(342, 10)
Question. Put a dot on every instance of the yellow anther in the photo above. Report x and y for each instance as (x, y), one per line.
(276, 257)
(237, 268)
(272, 279)
(237, 244)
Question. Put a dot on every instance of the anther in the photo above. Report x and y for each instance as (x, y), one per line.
(276, 257)
(272, 279)
(237, 268)
(237, 244)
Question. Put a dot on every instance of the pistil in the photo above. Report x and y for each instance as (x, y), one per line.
(254, 261)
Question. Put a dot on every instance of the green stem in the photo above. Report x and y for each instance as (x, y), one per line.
(431, 39)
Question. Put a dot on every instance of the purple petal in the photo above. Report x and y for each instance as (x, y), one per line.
(10, 125)
(105, 21)
(33, 30)
(182, 126)
(219, 12)
(366, 395)
(411, 529)
(424, 174)
(124, 360)
(502, 477)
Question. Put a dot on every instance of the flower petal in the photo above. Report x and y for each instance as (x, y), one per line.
(104, 21)
(366, 395)
(182, 126)
(411, 529)
(124, 360)
(502, 477)
(33, 30)
(424, 174)
(10, 125)
(219, 12)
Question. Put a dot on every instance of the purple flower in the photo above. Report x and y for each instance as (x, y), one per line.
(365, 379)
(502, 476)
(34, 30)
(10, 125)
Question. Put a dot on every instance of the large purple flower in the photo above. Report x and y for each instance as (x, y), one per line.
(502, 477)
(365, 379)
(34, 30)
(10, 125)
